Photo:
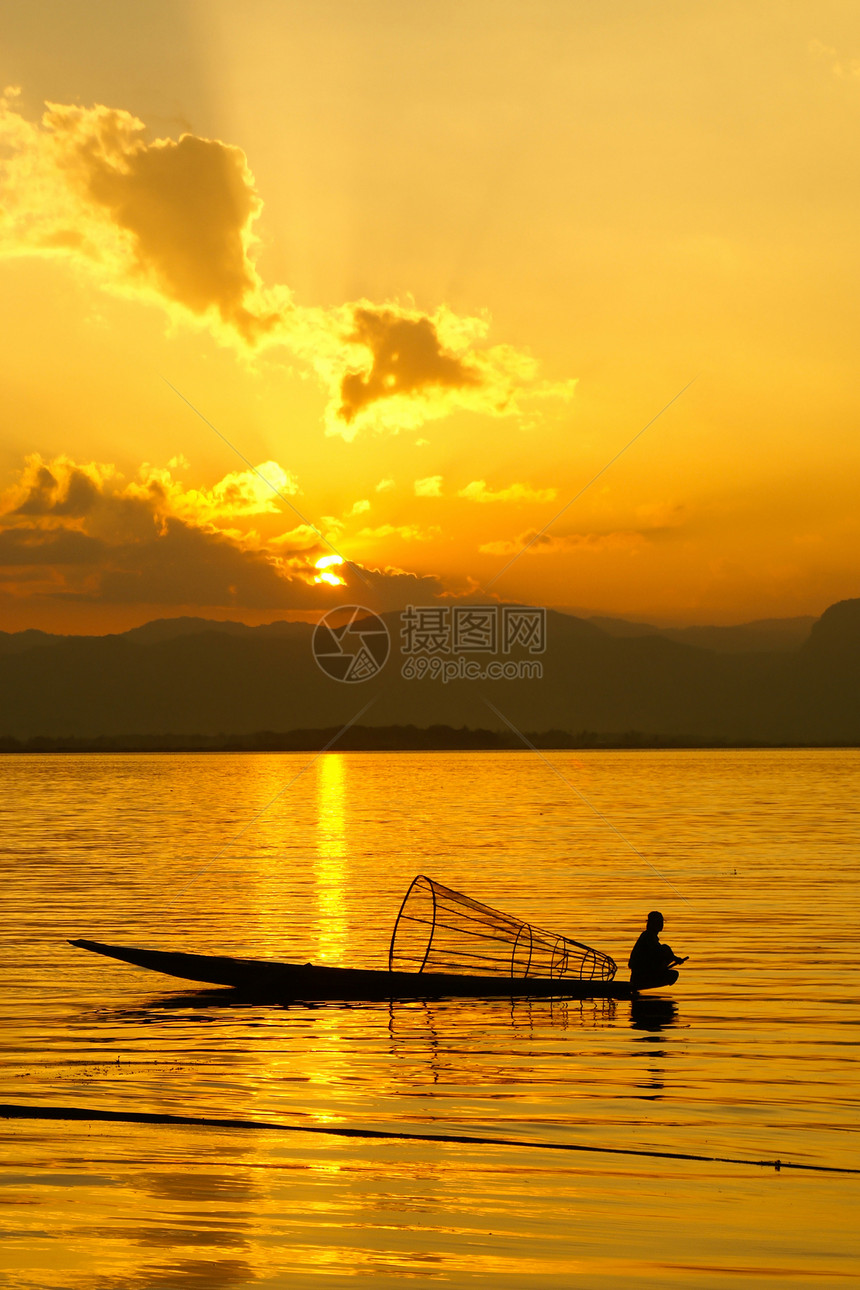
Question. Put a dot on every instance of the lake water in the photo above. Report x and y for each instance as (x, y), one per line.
(752, 857)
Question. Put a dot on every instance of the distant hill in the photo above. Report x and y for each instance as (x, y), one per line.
(763, 636)
(20, 642)
(193, 677)
(166, 629)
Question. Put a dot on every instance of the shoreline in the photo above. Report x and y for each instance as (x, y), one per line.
(392, 739)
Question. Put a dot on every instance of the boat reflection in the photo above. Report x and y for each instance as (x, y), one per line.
(491, 1042)
(650, 1012)
(520, 1013)
(499, 1050)
(201, 1004)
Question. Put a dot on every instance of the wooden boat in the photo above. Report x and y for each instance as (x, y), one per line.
(308, 982)
(444, 945)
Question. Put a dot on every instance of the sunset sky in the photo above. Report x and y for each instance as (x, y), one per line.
(428, 269)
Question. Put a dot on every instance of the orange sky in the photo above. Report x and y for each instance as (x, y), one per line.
(428, 271)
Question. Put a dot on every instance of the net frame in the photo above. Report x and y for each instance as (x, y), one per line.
(466, 937)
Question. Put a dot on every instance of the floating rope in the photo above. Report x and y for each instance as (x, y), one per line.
(14, 1111)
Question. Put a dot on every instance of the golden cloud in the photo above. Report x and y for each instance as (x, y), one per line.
(239, 494)
(172, 221)
(82, 532)
(653, 522)
(302, 538)
(534, 543)
(406, 532)
(840, 66)
(429, 487)
(478, 491)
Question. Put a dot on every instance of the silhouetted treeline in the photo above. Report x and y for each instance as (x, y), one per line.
(361, 739)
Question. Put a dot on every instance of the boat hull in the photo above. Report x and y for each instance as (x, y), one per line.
(309, 982)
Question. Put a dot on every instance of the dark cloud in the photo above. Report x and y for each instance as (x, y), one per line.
(81, 534)
(184, 565)
(26, 547)
(47, 497)
(188, 205)
(174, 220)
(407, 359)
(383, 589)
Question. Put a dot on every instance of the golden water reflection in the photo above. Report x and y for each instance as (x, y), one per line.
(751, 1056)
(330, 870)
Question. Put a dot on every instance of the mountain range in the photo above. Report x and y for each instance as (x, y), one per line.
(794, 681)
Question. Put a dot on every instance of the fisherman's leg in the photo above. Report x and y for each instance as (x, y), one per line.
(654, 980)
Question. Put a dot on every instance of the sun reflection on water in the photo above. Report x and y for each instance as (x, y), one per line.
(329, 871)
(749, 1058)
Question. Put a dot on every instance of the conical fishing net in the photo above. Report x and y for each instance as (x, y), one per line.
(440, 930)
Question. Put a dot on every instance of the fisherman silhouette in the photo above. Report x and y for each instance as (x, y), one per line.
(651, 961)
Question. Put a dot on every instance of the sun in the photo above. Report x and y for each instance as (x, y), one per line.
(325, 562)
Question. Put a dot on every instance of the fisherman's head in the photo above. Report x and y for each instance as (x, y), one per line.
(655, 921)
